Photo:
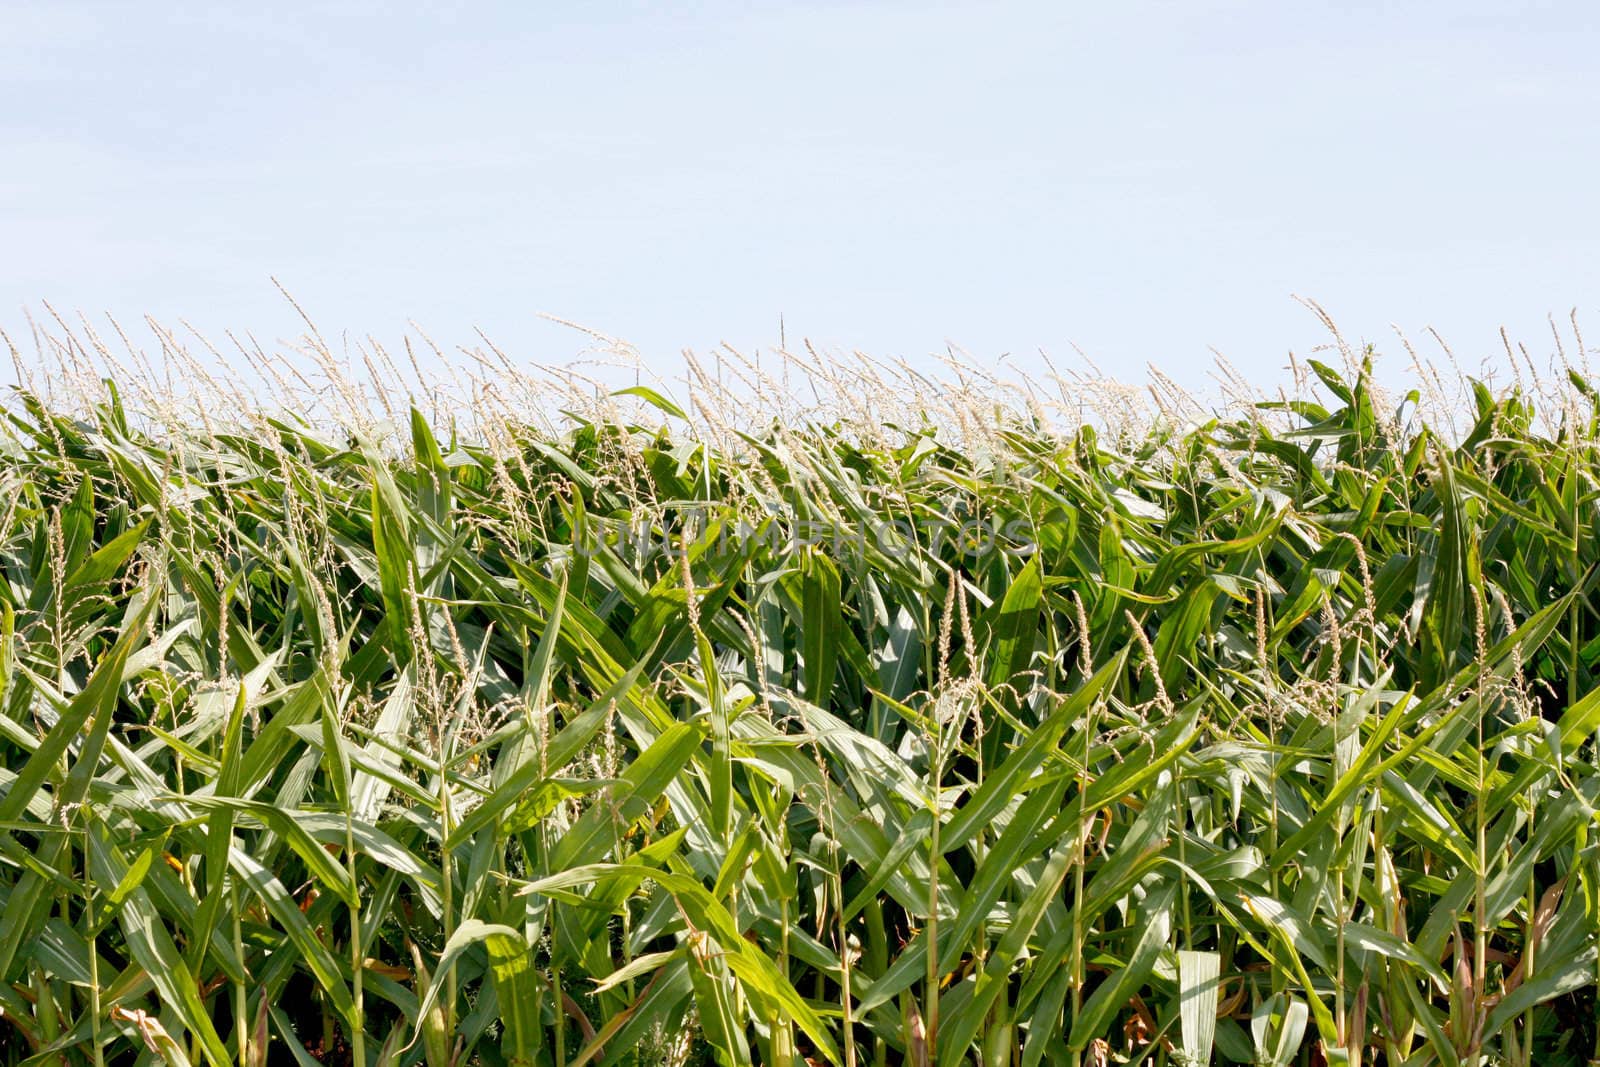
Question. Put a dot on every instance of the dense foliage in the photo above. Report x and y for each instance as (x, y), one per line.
(1267, 740)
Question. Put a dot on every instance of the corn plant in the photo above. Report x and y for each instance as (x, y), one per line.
(1265, 739)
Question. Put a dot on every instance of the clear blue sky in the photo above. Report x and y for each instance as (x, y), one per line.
(1143, 180)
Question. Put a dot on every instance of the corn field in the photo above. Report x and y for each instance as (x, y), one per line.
(1262, 738)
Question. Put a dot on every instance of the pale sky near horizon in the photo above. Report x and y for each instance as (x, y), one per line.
(1144, 181)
